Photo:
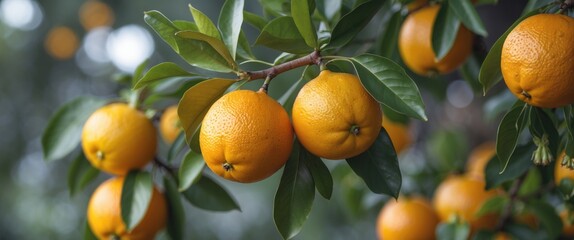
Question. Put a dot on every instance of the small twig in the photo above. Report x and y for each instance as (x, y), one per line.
(313, 58)
(513, 195)
(171, 170)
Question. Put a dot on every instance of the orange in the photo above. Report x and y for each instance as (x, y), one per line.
(407, 218)
(118, 138)
(61, 43)
(501, 236)
(414, 5)
(536, 60)
(104, 213)
(169, 124)
(399, 134)
(568, 228)
(464, 195)
(246, 136)
(94, 13)
(416, 49)
(335, 117)
(561, 172)
(479, 158)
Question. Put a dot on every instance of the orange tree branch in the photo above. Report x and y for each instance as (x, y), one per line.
(312, 58)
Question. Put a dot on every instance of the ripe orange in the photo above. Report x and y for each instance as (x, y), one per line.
(118, 138)
(416, 49)
(246, 136)
(104, 213)
(61, 43)
(94, 13)
(568, 229)
(464, 195)
(561, 172)
(335, 117)
(536, 60)
(502, 236)
(407, 218)
(169, 124)
(479, 158)
(399, 134)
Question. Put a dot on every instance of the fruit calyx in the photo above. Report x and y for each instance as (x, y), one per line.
(227, 166)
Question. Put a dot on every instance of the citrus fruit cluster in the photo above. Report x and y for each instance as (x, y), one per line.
(247, 136)
(116, 139)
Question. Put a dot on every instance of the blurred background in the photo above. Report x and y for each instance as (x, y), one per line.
(54, 51)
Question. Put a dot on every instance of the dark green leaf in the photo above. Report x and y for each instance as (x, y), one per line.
(330, 9)
(209, 195)
(444, 30)
(288, 97)
(549, 219)
(230, 20)
(532, 183)
(295, 195)
(138, 73)
(508, 132)
(176, 217)
(453, 230)
(468, 16)
(389, 84)
(160, 72)
(194, 144)
(88, 234)
(204, 24)
(244, 48)
(301, 11)
(493, 205)
(282, 34)
(64, 130)
(136, 196)
(255, 20)
(534, 4)
(379, 166)
(320, 173)
(390, 36)
(163, 27)
(470, 70)
(490, 72)
(80, 173)
(197, 100)
(518, 164)
(353, 22)
(204, 51)
(190, 170)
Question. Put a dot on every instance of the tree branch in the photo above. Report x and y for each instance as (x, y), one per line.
(171, 170)
(312, 58)
(513, 195)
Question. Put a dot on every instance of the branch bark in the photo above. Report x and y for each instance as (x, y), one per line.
(312, 58)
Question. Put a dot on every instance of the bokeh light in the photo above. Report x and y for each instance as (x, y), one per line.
(61, 43)
(459, 94)
(95, 14)
(21, 14)
(129, 46)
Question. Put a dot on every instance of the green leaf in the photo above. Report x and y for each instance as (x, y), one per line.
(295, 195)
(389, 84)
(540, 124)
(190, 170)
(490, 72)
(136, 196)
(138, 73)
(493, 205)
(80, 173)
(468, 16)
(390, 36)
(534, 4)
(532, 183)
(301, 11)
(209, 195)
(453, 231)
(160, 72)
(549, 219)
(194, 144)
(183, 25)
(282, 34)
(444, 30)
(379, 166)
(255, 20)
(163, 27)
(88, 234)
(197, 100)
(204, 24)
(288, 97)
(64, 130)
(470, 70)
(330, 9)
(176, 147)
(518, 164)
(230, 20)
(509, 130)
(320, 173)
(176, 211)
(244, 47)
(204, 51)
(353, 22)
